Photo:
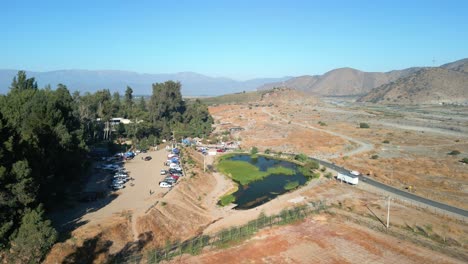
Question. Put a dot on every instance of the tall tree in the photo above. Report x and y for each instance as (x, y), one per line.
(34, 238)
(21, 82)
(128, 102)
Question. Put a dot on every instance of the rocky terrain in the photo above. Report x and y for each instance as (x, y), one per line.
(427, 86)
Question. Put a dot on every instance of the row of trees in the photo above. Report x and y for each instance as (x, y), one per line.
(164, 114)
(45, 136)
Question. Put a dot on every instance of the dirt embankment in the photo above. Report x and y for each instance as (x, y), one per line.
(181, 213)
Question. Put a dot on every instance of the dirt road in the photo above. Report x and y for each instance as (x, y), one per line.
(363, 146)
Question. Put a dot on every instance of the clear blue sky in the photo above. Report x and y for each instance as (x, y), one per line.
(237, 39)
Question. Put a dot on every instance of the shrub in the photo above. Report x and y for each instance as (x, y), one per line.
(254, 150)
(267, 151)
(386, 142)
(291, 185)
(328, 175)
(301, 157)
(464, 160)
(374, 156)
(454, 152)
(364, 125)
(322, 123)
(227, 199)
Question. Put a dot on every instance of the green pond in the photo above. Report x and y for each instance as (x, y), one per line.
(260, 179)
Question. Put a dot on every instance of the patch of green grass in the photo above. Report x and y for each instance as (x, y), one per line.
(291, 185)
(227, 199)
(244, 172)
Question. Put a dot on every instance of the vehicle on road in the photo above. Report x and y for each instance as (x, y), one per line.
(148, 158)
(351, 179)
(164, 184)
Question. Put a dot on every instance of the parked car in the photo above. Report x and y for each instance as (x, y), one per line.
(220, 150)
(164, 184)
(170, 179)
(164, 172)
(147, 158)
(178, 174)
(175, 177)
(117, 186)
(175, 171)
(118, 181)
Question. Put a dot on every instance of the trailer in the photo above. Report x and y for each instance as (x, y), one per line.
(351, 179)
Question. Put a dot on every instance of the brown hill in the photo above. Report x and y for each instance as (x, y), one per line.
(427, 86)
(459, 65)
(341, 82)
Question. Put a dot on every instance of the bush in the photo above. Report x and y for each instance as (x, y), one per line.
(454, 152)
(386, 142)
(374, 156)
(291, 185)
(227, 199)
(301, 157)
(328, 175)
(322, 123)
(267, 151)
(364, 125)
(464, 160)
(254, 150)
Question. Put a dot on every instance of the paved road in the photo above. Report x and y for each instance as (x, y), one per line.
(396, 191)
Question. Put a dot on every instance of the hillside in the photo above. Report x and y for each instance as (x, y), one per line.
(193, 84)
(459, 65)
(341, 82)
(427, 86)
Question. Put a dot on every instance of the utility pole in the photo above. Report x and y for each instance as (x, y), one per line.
(388, 212)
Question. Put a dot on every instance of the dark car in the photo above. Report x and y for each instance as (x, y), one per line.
(147, 158)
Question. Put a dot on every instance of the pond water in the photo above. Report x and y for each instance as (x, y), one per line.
(259, 192)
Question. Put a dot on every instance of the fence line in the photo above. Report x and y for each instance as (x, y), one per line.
(413, 203)
(195, 245)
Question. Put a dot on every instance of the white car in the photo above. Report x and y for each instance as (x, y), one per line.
(164, 184)
(163, 172)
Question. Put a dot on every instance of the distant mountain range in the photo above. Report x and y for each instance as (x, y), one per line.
(193, 84)
(445, 84)
(418, 85)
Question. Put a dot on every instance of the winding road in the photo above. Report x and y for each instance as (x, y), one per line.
(363, 146)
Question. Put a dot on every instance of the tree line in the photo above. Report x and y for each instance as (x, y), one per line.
(45, 137)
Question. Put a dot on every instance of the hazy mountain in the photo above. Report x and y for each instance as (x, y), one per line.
(193, 84)
(427, 86)
(341, 82)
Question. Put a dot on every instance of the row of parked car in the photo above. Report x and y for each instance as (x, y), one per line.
(173, 173)
(119, 179)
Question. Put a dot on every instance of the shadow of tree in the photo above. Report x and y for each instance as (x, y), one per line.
(89, 251)
(132, 249)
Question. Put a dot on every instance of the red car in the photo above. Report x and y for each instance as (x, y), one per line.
(220, 150)
(175, 177)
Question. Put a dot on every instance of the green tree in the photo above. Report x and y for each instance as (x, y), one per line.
(21, 82)
(253, 150)
(34, 238)
(128, 102)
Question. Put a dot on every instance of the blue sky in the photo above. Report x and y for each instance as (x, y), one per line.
(237, 39)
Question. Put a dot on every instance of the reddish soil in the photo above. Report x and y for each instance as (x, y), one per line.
(321, 240)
